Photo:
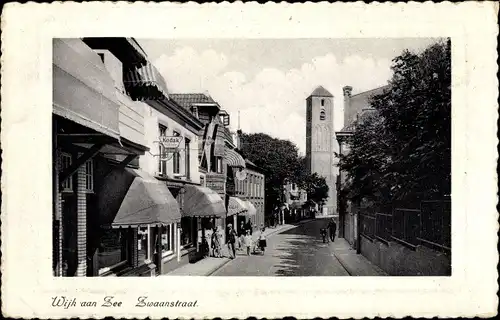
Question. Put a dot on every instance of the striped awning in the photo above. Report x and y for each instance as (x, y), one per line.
(252, 211)
(145, 83)
(202, 202)
(234, 159)
(236, 206)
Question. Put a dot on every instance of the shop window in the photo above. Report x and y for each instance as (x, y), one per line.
(89, 176)
(186, 231)
(143, 250)
(162, 163)
(112, 251)
(322, 115)
(66, 161)
(168, 240)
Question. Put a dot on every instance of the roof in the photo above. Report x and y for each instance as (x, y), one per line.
(361, 102)
(186, 100)
(369, 93)
(321, 92)
(362, 116)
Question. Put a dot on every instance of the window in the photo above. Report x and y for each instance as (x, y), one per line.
(65, 163)
(187, 151)
(112, 250)
(322, 102)
(218, 165)
(167, 240)
(162, 163)
(143, 245)
(89, 176)
(176, 158)
(322, 115)
(194, 111)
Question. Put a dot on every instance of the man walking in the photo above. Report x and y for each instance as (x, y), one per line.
(231, 239)
(332, 226)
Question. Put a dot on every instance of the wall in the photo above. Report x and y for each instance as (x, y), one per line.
(320, 145)
(398, 260)
(149, 163)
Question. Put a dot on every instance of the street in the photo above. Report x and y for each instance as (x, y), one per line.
(299, 251)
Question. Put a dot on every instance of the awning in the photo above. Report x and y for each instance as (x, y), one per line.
(252, 211)
(145, 83)
(236, 206)
(202, 202)
(82, 89)
(234, 159)
(133, 198)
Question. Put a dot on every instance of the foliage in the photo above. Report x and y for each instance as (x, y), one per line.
(276, 157)
(315, 186)
(403, 149)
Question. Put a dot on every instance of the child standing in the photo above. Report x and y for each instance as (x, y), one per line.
(262, 240)
(248, 242)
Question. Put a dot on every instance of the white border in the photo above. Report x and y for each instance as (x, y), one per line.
(27, 282)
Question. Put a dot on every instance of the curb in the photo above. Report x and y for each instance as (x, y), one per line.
(219, 267)
(351, 273)
(343, 265)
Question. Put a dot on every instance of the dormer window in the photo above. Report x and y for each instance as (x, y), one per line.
(322, 115)
(194, 111)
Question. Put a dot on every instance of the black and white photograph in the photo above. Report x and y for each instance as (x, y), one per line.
(179, 165)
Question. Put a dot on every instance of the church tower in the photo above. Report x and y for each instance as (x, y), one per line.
(319, 142)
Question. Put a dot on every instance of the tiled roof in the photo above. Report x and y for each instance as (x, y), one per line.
(351, 126)
(185, 100)
(321, 92)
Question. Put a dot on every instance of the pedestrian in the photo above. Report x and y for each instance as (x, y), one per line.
(248, 242)
(249, 226)
(332, 226)
(231, 239)
(241, 235)
(262, 240)
(216, 247)
(323, 233)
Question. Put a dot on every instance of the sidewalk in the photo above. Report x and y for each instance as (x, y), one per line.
(209, 265)
(204, 267)
(355, 264)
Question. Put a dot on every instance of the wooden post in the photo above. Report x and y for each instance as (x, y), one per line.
(178, 236)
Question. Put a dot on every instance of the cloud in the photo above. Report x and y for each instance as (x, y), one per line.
(273, 101)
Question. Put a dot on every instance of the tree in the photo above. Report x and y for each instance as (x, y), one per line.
(315, 186)
(403, 150)
(278, 158)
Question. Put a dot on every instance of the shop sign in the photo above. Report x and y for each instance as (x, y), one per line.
(216, 182)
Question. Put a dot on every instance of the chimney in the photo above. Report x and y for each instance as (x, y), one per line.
(347, 91)
(238, 139)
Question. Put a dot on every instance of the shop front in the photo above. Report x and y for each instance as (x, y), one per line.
(137, 224)
(200, 208)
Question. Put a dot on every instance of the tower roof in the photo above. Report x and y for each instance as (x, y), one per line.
(321, 92)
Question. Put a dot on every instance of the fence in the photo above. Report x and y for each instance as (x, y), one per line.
(435, 223)
(430, 225)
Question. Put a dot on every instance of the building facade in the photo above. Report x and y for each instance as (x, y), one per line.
(320, 146)
(92, 139)
(218, 160)
(355, 106)
(295, 202)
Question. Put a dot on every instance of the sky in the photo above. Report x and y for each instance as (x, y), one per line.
(267, 81)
